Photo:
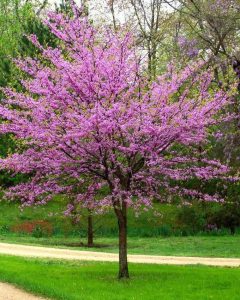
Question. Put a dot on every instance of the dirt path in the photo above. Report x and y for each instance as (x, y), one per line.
(33, 251)
(9, 292)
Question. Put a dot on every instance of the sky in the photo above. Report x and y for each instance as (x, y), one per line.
(59, 1)
(100, 12)
(92, 2)
(98, 9)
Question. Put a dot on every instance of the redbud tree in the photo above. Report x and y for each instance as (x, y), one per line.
(89, 117)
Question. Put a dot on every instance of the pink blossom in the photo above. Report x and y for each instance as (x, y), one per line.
(89, 120)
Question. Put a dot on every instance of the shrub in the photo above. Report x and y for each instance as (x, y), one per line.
(190, 220)
(4, 229)
(36, 228)
(228, 216)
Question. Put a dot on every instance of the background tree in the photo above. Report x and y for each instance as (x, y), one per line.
(149, 21)
(212, 28)
(17, 18)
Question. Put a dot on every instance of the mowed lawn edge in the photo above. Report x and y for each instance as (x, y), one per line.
(64, 280)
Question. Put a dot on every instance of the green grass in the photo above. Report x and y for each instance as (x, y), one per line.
(97, 281)
(209, 246)
(147, 224)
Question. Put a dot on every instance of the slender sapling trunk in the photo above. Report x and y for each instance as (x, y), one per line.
(90, 229)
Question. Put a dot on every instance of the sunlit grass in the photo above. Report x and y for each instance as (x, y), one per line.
(98, 281)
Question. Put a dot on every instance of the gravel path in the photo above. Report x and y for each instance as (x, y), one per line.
(44, 252)
(9, 292)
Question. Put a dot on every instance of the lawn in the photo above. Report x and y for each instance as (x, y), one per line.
(91, 280)
(209, 246)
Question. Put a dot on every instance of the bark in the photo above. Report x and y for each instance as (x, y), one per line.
(122, 226)
(111, 3)
(123, 263)
(90, 229)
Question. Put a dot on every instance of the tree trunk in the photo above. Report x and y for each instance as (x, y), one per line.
(90, 229)
(123, 263)
(154, 61)
(232, 230)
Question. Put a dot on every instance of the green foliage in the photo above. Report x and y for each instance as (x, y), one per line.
(38, 232)
(4, 229)
(13, 19)
(226, 217)
(191, 220)
(17, 19)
